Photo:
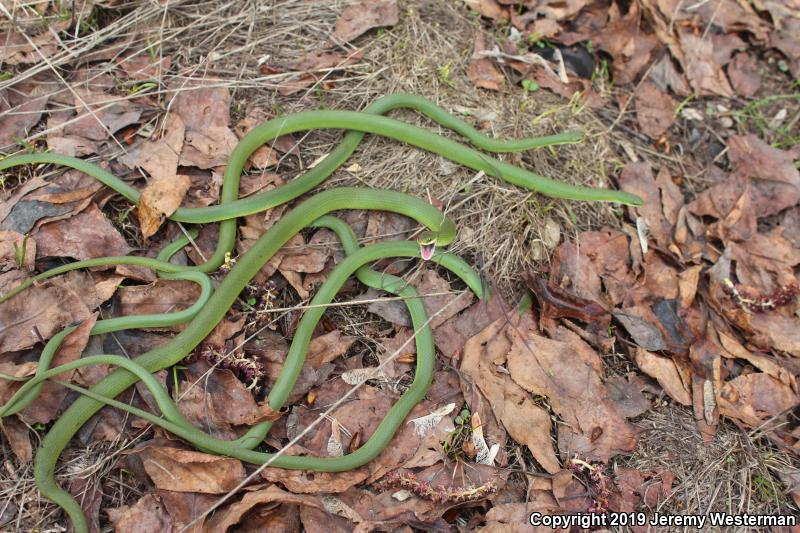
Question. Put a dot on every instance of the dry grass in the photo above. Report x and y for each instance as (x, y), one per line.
(502, 228)
(735, 473)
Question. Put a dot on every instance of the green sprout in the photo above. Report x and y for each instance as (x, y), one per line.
(530, 86)
(453, 447)
(443, 73)
(20, 251)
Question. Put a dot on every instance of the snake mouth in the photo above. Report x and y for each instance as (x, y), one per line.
(426, 251)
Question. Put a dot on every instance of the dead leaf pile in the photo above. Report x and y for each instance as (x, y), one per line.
(707, 293)
(662, 46)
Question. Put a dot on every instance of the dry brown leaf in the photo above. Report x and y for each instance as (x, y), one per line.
(20, 192)
(666, 76)
(223, 331)
(100, 114)
(570, 493)
(284, 518)
(182, 470)
(441, 307)
(705, 360)
(392, 311)
(312, 69)
(489, 9)
(673, 377)
(437, 297)
(482, 70)
(744, 75)
(453, 333)
(399, 346)
(234, 513)
(47, 404)
(144, 67)
(755, 398)
(302, 482)
(787, 40)
(766, 261)
(643, 332)
(87, 235)
(702, 68)
(687, 285)
(184, 507)
(17, 50)
(18, 438)
(655, 110)
(576, 274)
(160, 156)
(147, 515)
(33, 317)
(526, 422)
(628, 487)
(627, 394)
(359, 18)
(162, 296)
(595, 429)
(318, 521)
(21, 108)
(217, 401)
(732, 348)
(726, 15)
(93, 288)
(776, 181)
(662, 199)
(358, 416)
(325, 348)
(209, 148)
(362, 417)
(776, 331)
(310, 257)
(382, 225)
(25, 214)
(604, 258)
(160, 199)
(272, 354)
(514, 517)
(208, 139)
(67, 188)
(730, 202)
(630, 46)
(791, 479)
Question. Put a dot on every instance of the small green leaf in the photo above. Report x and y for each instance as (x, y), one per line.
(530, 86)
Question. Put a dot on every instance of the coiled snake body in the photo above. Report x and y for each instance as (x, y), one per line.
(212, 306)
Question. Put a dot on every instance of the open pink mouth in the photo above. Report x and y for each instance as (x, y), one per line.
(426, 251)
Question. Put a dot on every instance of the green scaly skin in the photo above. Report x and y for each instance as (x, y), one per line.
(215, 309)
(359, 123)
(371, 278)
(247, 265)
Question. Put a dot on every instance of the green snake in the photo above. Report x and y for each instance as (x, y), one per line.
(206, 313)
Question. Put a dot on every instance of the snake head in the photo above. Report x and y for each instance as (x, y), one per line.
(427, 244)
